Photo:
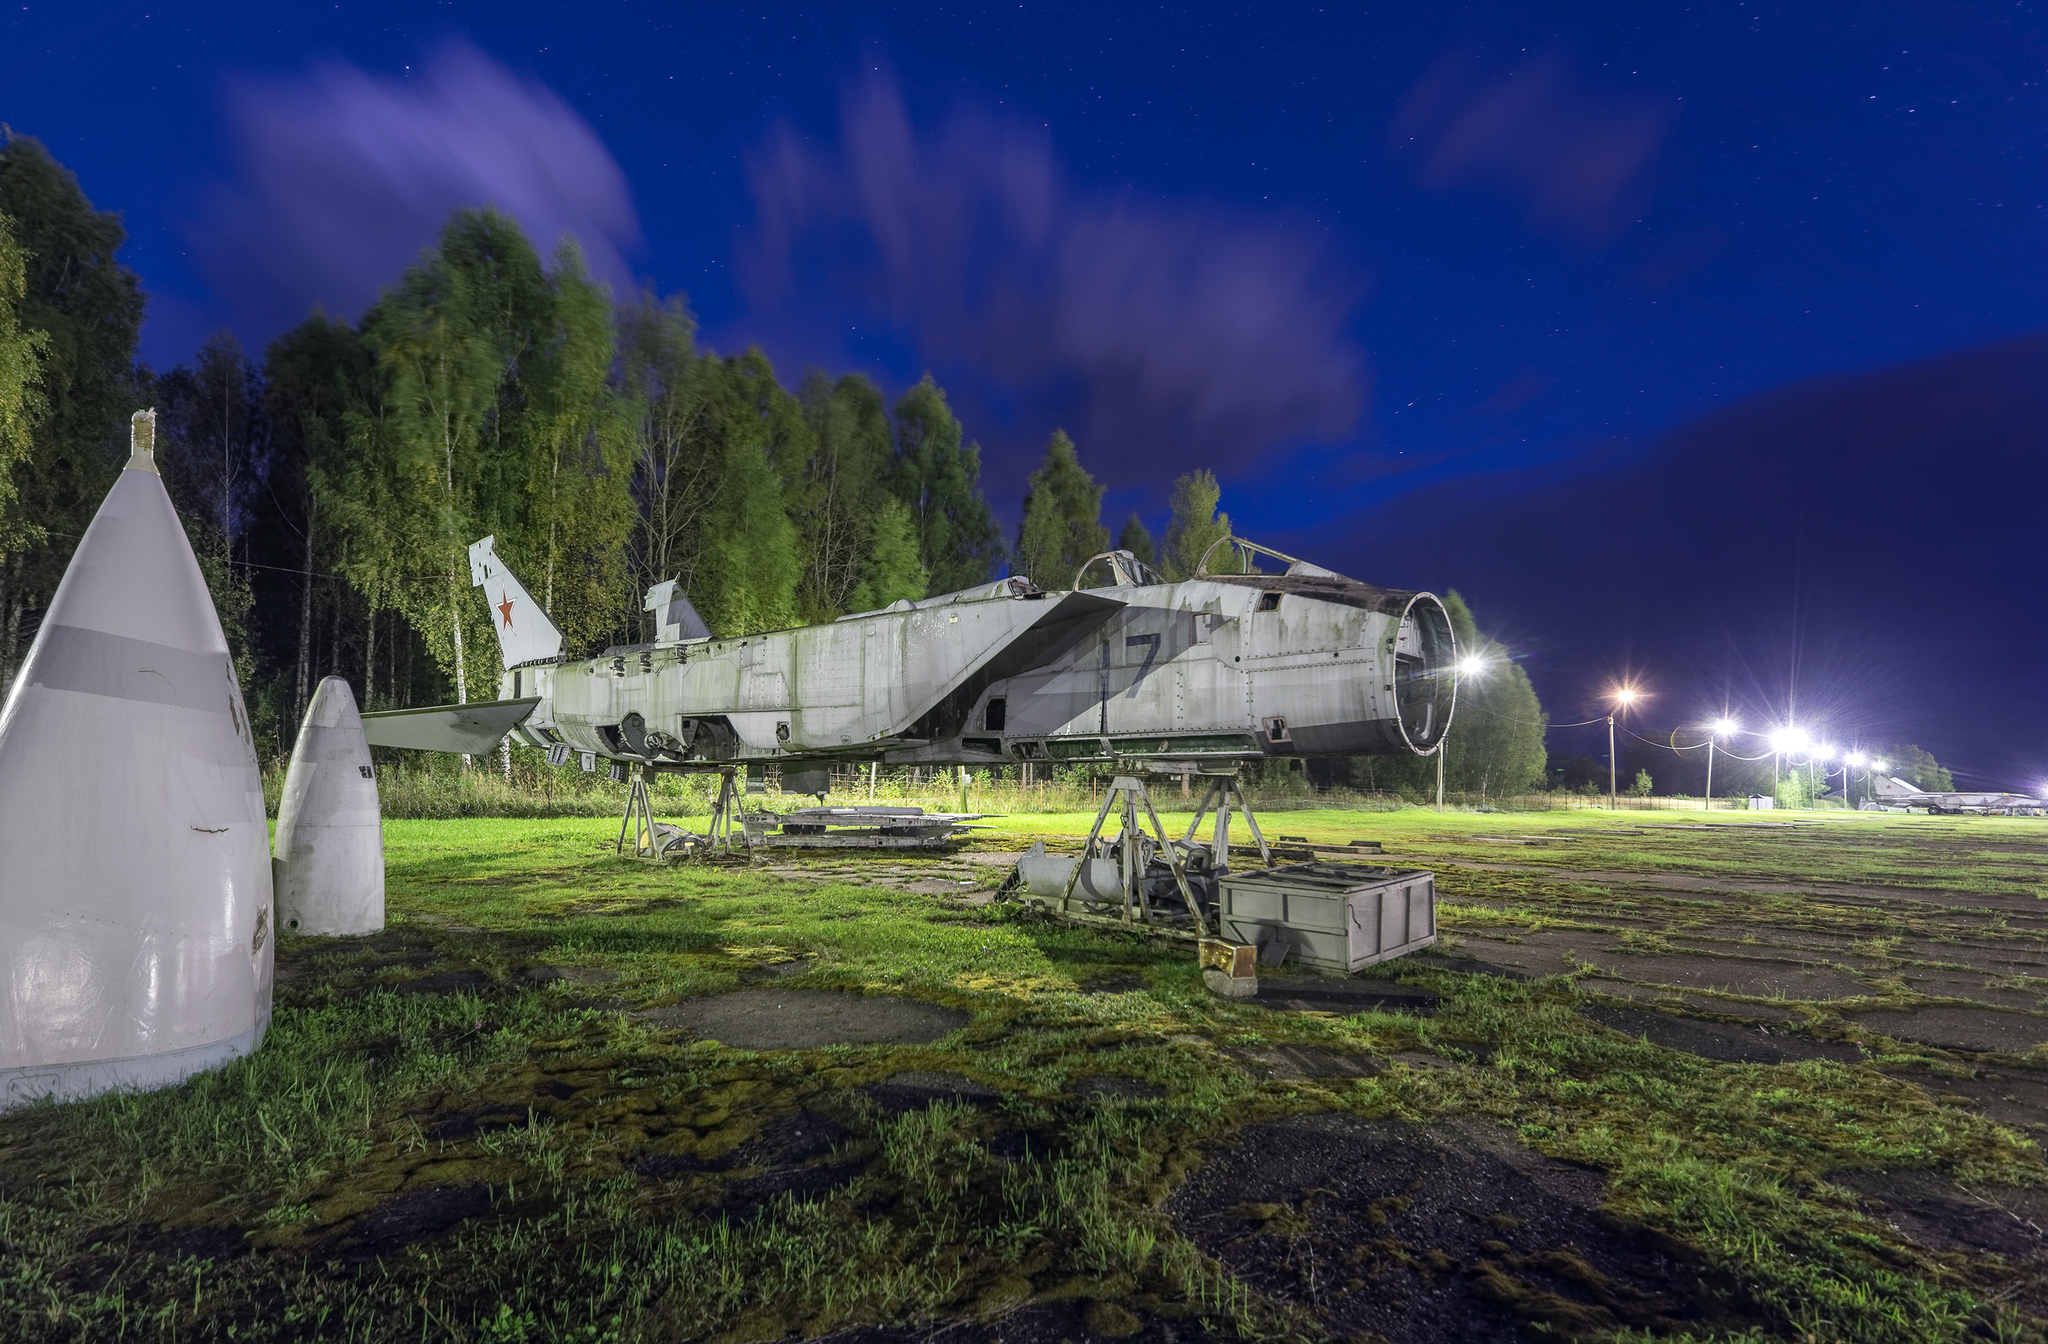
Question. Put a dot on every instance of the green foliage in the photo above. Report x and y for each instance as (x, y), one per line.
(1195, 526)
(1137, 539)
(494, 415)
(22, 350)
(1796, 787)
(89, 309)
(1641, 786)
(1912, 763)
(711, 438)
(940, 480)
(836, 494)
(1062, 523)
(890, 568)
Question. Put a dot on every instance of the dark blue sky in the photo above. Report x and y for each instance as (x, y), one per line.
(1701, 345)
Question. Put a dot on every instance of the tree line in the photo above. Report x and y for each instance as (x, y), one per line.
(331, 485)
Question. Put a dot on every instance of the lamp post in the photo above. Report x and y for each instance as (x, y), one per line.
(1784, 741)
(1467, 667)
(1714, 729)
(1623, 698)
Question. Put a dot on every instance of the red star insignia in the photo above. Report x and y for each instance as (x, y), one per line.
(506, 608)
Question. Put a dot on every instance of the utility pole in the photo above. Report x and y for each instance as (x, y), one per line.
(1613, 788)
(1708, 805)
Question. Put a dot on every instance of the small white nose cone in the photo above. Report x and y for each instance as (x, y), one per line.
(135, 911)
(330, 835)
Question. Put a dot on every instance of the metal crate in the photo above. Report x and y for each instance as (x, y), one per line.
(1332, 916)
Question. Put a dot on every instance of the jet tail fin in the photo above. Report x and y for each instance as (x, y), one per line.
(525, 634)
(675, 618)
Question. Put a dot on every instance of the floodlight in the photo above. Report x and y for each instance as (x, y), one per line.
(1625, 696)
(1824, 752)
(1879, 765)
(1471, 667)
(1722, 726)
(1855, 758)
(1788, 739)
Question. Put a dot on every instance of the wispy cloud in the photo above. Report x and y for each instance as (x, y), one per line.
(343, 176)
(1578, 162)
(1155, 332)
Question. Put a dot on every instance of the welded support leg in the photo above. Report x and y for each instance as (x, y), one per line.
(1208, 799)
(1180, 875)
(1251, 820)
(722, 814)
(1135, 907)
(639, 818)
(1087, 853)
(1220, 844)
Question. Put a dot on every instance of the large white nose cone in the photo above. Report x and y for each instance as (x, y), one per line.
(330, 835)
(135, 942)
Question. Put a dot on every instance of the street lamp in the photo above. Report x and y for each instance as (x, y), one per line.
(1469, 666)
(1783, 740)
(1850, 762)
(1714, 729)
(1623, 697)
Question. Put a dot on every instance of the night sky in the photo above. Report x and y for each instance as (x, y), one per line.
(1705, 347)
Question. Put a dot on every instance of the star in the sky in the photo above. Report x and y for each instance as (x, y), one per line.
(506, 607)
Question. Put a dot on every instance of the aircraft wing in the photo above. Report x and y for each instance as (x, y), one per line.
(471, 729)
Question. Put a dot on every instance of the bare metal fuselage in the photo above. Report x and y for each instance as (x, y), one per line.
(1215, 668)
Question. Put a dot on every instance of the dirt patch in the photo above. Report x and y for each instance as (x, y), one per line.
(1450, 961)
(1115, 982)
(2015, 1097)
(1065, 1322)
(446, 982)
(1115, 1087)
(1303, 1061)
(1722, 1041)
(467, 1124)
(1763, 977)
(1454, 1233)
(920, 1089)
(414, 1216)
(809, 1019)
(746, 1198)
(188, 1243)
(1019, 1145)
(1935, 1212)
(574, 975)
(789, 1139)
(1342, 996)
(1974, 1029)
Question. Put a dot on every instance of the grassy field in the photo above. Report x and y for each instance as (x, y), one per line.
(1730, 1083)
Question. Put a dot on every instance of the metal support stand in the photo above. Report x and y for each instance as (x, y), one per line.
(639, 818)
(1131, 839)
(725, 814)
(1223, 791)
(725, 834)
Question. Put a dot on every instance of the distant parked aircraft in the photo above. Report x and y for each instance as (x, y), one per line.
(1898, 795)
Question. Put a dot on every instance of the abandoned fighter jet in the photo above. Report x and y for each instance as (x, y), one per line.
(1898, 795)
(1217, 668)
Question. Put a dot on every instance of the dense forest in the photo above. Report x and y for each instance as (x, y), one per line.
(331, 485)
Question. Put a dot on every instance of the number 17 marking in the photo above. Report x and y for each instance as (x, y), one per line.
(1151, 643)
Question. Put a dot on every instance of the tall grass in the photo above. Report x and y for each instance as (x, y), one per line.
(419, 786)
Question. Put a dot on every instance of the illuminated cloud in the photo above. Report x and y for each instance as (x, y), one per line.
(344, 176)
(1578, 163)
(1155, 333)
